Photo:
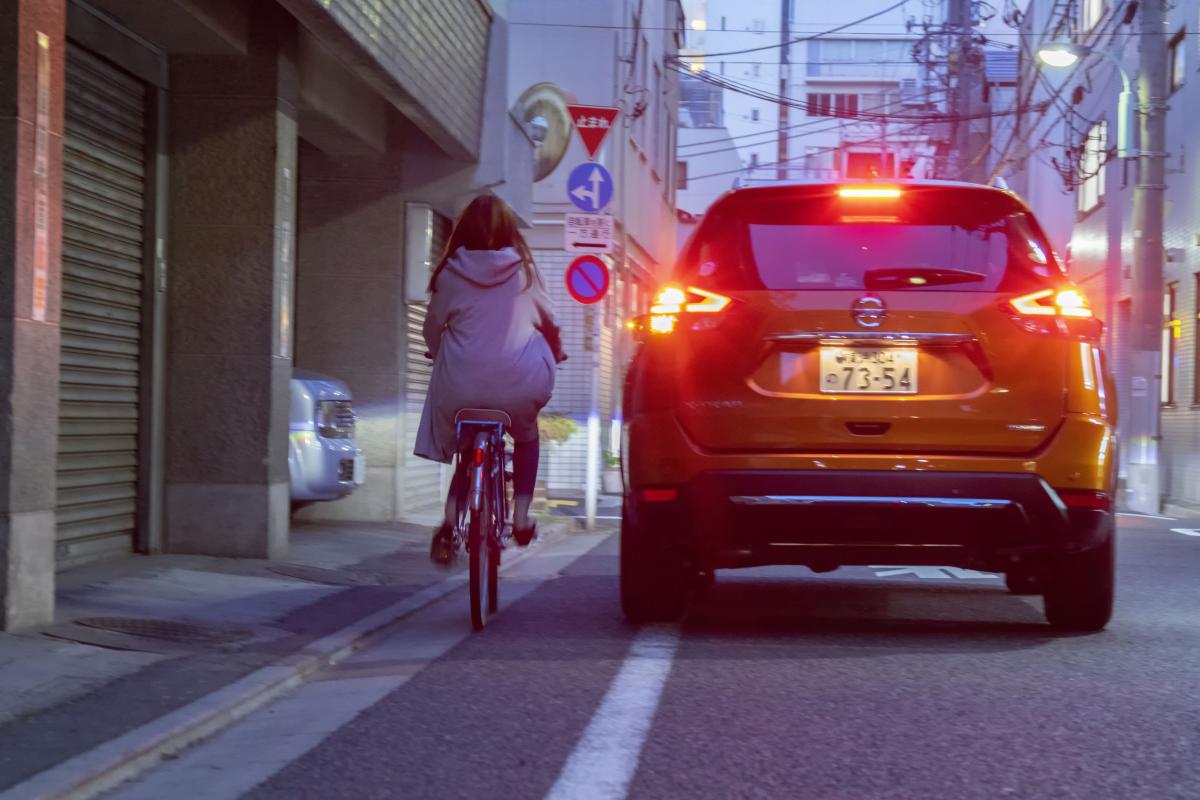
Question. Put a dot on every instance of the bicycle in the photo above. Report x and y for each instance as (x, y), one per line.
(481, 503)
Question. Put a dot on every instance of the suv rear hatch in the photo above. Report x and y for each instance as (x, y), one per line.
(881, 323)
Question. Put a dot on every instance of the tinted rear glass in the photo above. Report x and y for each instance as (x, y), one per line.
(927, 240)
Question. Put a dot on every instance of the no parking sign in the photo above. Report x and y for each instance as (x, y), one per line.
(587, 280)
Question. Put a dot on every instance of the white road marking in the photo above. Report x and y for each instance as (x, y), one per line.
(1187, 531)
(603, 763)
(933, 573)
(1145, 516)
(252, 751)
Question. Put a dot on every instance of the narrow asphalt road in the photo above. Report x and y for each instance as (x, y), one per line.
(871, 682)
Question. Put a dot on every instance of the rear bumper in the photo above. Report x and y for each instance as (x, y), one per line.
(749, 518)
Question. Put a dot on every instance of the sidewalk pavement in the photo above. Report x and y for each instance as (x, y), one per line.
(138, 639)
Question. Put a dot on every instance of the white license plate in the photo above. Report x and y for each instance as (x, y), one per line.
(360, 470)
(862, 370)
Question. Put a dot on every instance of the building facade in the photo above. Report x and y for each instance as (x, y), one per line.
(200, 195)
(856, 91)
(1086, 193)
(615, 53)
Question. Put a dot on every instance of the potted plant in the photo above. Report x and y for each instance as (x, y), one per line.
(611, 477)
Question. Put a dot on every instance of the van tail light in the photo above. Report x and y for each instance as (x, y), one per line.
(1087, 499)
(672, 302)
(1056, 311)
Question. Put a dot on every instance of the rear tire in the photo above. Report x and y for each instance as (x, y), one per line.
(479, 557)
(1079, 588)
(493, 598)
(653, 576)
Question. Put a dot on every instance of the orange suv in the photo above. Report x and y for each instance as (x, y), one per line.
(870, 374)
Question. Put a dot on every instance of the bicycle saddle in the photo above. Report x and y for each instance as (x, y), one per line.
(485, 415)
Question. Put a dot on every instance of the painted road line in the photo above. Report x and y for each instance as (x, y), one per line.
(1187, 531)
(933, 573)
(253, 750)
(603, 763)
(1144, 516)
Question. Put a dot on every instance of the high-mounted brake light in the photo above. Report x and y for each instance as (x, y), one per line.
(1049, 303)
(869, 192)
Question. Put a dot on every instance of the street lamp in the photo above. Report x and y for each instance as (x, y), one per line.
(1065, 54)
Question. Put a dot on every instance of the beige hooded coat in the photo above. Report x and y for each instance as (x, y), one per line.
(484, 331)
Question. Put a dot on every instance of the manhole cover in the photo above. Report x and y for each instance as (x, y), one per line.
(333, 577)
(169, 630)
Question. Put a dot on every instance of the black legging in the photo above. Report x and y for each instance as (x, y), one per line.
(525, 467)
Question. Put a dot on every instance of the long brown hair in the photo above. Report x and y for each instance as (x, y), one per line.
(487, 223)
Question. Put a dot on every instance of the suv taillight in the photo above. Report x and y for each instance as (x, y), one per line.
(674, 302)
(1055, 311)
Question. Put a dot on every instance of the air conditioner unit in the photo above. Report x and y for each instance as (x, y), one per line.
(912, 92)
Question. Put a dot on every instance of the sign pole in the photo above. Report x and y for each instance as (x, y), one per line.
(590, 189)
(592, 491)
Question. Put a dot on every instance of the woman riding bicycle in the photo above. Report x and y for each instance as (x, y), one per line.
(495, 344)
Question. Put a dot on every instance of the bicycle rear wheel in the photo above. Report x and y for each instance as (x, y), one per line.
(493, 582)
(482, 572)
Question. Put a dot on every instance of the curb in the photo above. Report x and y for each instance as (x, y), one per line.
(116, 761)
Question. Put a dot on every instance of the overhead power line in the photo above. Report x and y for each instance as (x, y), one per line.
(808, 37)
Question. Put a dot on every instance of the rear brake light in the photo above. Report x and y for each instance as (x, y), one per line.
(1055, 312)
(1077, 498)
(869, 192)
(672, 301)
(1051, 303)
(478, 456)
(659, 495)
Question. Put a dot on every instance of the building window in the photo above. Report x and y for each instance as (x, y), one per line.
(832, 105)
(1090, 12)
(845, 105)
(1170, 341)
(1177, 59)
(1091, 168)
(681, 175)
(754, 115)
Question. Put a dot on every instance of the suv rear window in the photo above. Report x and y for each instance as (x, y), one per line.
(927, 240)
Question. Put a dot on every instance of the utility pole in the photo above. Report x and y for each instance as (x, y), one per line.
(785, 35)
(1144, 492)
(968, 165)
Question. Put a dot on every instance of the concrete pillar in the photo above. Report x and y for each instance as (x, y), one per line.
(350, 313)
(230, 277)
(31, 57)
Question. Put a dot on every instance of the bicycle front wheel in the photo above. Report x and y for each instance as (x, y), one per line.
(479, 549)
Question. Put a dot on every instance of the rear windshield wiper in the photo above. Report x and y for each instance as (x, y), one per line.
(918, 277)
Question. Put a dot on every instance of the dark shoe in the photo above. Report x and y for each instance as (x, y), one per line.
(523, 536)
(442, 550)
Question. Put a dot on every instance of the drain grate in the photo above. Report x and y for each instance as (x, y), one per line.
(170, 630)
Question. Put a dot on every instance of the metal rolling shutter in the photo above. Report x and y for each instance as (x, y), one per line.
(422, 486)
(103, 247)
(422, 478)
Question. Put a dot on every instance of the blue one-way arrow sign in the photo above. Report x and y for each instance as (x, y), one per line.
(590, 187)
